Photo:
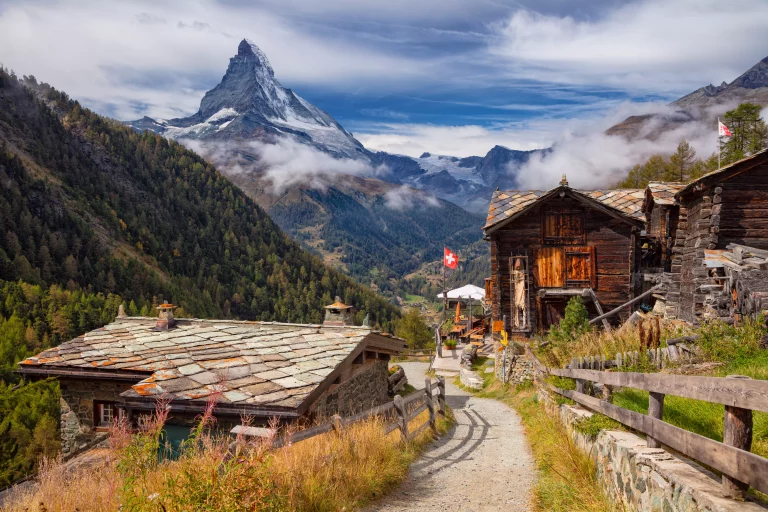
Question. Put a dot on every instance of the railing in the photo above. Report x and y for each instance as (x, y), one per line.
(740, 395)
(396, 414)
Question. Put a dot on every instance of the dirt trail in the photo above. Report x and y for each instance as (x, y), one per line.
(482, 464)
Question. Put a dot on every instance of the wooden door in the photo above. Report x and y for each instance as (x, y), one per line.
(550, 266)
(580, 267)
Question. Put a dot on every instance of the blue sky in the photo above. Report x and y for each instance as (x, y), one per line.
(445, 76)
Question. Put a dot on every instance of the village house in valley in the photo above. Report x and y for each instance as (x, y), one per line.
(264, 370)
(548, 246)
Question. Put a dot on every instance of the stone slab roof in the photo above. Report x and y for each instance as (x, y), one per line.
(507, 203)
(663, 193)
(251, 363)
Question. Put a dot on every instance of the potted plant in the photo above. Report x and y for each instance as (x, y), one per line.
(449, 344)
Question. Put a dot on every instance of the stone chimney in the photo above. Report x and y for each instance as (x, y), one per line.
(338, 314)
(165, 318)
(564, 181)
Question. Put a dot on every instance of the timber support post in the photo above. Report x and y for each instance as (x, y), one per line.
(737, 432)
(580, 385)
(402, 417)
(655, 410)
(441, 395)
(430, 405)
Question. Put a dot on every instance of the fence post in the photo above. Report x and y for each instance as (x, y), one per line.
(580, 385)
(430, 404)
(737, 432)
(402, 417)
(441, 395)
(655, 410)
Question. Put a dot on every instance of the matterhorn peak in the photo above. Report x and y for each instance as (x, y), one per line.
(248, 50)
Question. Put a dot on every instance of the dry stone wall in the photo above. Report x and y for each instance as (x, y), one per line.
(77, 410)
(366, 389)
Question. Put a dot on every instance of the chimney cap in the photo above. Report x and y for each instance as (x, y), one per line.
(166, 306)
(338, 304)
(564, 181)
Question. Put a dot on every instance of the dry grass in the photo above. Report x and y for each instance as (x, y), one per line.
(608, 344)
(334, 471)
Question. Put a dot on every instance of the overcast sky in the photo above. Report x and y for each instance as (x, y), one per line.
(445, 76)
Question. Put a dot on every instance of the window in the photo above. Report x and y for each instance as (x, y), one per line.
(563, 227)
(107, 412)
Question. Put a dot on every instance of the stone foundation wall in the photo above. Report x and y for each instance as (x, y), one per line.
(366, 388)
(519, 367)
(77, 397)
(648, 479)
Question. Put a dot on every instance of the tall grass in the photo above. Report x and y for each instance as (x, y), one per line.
(333, 471)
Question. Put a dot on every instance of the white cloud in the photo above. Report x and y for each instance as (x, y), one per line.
(657, 45)
(405, 198)
(282, 164)
(158, 58)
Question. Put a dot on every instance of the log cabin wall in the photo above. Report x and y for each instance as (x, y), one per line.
(614, 250)
(698, 236)
(743, 209)
(672, 279)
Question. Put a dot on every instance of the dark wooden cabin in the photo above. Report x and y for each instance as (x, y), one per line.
(569, 242)
(727, 206)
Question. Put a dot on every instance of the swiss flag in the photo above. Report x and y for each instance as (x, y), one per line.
(450, 260)
(723, 130)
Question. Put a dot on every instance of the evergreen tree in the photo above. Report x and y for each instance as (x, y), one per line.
(749, 133)
(681, 162)
(413, 329)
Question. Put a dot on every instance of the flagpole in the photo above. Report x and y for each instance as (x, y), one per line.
(718, 142)
(445, 298)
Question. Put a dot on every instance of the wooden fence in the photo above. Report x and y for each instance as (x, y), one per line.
(396, 414)
(658, 357)
(740, 395)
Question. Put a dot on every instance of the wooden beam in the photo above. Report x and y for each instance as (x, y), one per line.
(747, 394)
(599, 308)
(628, 303)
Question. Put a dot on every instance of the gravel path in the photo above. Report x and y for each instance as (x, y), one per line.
(483, 463)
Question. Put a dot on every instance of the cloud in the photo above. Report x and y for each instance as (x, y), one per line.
(405, 198)
(282, 164)
(657, 45)
(592, 160)
(92, 52)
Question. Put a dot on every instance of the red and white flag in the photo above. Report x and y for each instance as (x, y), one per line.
(722, 130)
(450, 259)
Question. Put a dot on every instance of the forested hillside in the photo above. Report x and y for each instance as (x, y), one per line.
(93, 214)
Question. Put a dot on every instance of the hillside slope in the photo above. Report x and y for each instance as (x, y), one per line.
(88, 202)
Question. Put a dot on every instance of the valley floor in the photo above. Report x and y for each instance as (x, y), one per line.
(483, 463)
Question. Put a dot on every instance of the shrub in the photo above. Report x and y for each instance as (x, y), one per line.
(450, 344)
(574, 323)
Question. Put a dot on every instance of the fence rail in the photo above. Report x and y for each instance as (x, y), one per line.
(396, 414)
(740, 395)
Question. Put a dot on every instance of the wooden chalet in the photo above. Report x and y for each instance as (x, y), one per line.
(547, 246)
(721, 210)
(265, 370)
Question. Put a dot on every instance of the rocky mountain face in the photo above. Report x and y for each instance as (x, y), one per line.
(702, 105)
(250, 104)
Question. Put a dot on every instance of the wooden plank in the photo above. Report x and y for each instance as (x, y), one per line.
(629, 303)
(747, 394)
(550, 262)
(376, 411)
(389, 427)
(420, 429)
(417, 411)
(416, 395)
(745, 466)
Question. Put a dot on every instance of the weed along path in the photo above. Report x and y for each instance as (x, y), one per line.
(482, 464)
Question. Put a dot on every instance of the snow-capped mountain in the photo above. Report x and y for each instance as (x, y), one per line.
(250, 103)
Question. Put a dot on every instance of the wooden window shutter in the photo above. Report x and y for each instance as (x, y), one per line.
(593, 267)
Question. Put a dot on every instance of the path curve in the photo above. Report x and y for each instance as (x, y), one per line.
(482, 464)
